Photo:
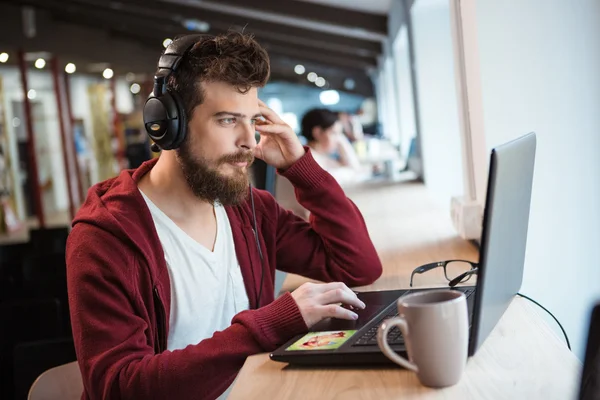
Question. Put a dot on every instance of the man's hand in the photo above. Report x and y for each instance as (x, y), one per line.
(279, 146)
(318, 301)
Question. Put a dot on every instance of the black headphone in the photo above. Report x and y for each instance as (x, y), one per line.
(164, 112)
(166, 123)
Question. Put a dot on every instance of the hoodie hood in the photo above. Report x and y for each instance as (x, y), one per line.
(117, 206)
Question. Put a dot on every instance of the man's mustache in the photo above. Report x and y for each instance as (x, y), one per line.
(244, 156)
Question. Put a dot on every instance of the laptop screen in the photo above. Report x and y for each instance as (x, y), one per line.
(590, 378)
(504, 236)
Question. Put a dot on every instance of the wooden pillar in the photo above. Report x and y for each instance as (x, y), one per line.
(63, 132)
(116, 125)
(31, 149)
(80, 189)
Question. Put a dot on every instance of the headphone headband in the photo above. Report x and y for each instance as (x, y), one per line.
(170, 60)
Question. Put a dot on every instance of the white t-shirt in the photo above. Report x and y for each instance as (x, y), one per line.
(207, 288)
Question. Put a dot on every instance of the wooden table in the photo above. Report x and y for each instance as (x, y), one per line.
(522, 358)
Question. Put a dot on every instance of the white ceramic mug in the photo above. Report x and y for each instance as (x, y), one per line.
(435, 327)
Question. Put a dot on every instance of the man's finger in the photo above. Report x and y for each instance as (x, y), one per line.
(270, 115)
(335, 311)
(337, 296)
(325, 287)
(260, 122)
(274, 129)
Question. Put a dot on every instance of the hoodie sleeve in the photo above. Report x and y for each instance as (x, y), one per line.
(335, 244)
(115, 331)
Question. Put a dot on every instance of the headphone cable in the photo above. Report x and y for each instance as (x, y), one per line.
(262, 263)
(545, 309)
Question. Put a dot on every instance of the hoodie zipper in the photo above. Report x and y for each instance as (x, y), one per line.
(160, 337)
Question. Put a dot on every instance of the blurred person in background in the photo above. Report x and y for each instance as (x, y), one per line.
(331, 148)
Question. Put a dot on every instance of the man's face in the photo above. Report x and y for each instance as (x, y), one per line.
(329, 138)
(218, 150)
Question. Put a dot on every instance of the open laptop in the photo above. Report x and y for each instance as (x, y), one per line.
(502, 255)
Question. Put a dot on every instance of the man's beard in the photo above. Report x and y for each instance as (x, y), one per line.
(208, 184)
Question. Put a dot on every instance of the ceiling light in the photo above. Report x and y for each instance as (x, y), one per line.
(167, 42)
(329, 97)
(196, 25)
(31, 94)
(130, 77)
(349, 84)
(320, 82)
(108, 73)
(40, 63)
(3, 57)
(135, 88)
(299, 69)
(312, 76)
(70, 68)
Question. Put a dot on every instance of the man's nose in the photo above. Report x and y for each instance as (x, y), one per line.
(248, 137)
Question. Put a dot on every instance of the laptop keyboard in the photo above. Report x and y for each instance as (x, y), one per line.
(369, 338)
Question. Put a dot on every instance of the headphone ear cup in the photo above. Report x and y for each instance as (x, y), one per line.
(162, 121)
(181, 133)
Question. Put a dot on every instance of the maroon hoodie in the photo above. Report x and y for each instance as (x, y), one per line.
(119, 288)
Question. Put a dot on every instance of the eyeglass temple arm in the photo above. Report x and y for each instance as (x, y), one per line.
(424, 268)
(462, 276)
(473, 263)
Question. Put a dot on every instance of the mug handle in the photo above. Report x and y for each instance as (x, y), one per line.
(382, 333)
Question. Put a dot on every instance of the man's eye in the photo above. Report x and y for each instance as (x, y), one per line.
(227, 121)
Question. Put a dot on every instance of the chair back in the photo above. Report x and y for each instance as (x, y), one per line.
(58, 383)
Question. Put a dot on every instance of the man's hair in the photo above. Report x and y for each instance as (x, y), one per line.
(234, 58)
(320, 117)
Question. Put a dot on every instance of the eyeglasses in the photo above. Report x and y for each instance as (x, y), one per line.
(461, 277)
(455, 271)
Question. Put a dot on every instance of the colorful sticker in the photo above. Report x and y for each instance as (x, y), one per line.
(321, 340)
